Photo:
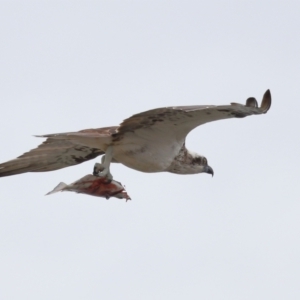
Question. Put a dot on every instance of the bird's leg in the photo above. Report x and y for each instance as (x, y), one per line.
(99, 167)
(102, 170)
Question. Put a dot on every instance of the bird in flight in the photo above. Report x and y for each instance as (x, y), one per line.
(151, 141)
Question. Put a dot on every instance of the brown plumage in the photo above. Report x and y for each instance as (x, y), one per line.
(151, 141)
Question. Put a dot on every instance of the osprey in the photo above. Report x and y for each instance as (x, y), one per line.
(151, 141)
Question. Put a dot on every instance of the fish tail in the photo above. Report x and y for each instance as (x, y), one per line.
(60, 187)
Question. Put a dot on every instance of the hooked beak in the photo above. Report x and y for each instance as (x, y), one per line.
(209, 170)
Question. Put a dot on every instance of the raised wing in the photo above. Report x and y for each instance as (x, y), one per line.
(58, 151)
(178, 121)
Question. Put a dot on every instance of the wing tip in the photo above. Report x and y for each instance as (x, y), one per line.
(251, 102)
(266, 101)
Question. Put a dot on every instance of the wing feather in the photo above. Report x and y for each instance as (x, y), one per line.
(178, 121)
(158, 125)
(59, 151)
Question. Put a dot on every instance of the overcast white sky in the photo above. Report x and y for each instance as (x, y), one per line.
(71, 65)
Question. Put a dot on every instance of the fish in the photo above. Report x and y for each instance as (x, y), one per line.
(94, 186)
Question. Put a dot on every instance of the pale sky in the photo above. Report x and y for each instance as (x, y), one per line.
(71, 65)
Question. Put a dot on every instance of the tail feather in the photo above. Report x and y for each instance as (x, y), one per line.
(31, 164)
(49, 156)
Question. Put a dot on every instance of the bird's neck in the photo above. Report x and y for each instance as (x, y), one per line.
(183, 163)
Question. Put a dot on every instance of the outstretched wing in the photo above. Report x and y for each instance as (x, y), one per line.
(58, 151)
(176, 122)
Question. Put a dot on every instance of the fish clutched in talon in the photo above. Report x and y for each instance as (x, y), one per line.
(151, 141)
(94, 186)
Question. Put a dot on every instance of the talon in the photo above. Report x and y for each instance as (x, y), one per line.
(98, 168)
(102, 170)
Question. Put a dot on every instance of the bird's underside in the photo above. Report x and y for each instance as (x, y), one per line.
(151, 141)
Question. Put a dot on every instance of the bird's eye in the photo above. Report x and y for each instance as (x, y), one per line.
(204, 161)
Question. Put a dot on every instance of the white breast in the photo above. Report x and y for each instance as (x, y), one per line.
(145, 154)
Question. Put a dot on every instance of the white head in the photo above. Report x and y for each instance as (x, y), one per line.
(199, 164)
(188, 162)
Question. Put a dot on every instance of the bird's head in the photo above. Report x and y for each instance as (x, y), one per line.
(200, 165)
(188, 162)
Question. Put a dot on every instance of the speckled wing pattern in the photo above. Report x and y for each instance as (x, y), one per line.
(157, 126)
(56, 153)
(178, 121)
